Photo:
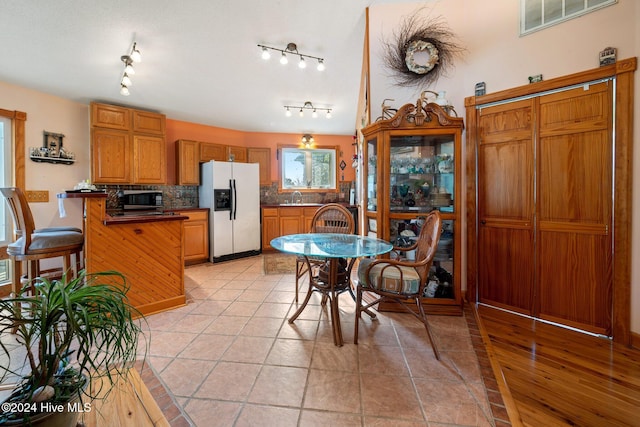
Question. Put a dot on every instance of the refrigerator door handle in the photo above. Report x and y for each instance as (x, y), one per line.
(235, 200)
(232, 196)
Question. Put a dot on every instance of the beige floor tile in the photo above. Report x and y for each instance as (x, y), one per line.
(262, 327)
(248, 350)
(328, 356)
(207, 347)
(227, 325)
(310, 418)
(267, 416)
(390, 396)
(336, 391)
(184, 376)
(384, 360)
(279, 385)
(229, 381)
(212, 413)
(291, 352)
(451, 403)
(230, 357)
(301, 329)
(169, 344)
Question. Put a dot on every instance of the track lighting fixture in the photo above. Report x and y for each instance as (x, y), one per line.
(128, 60)
(307, 106)
(291, 48)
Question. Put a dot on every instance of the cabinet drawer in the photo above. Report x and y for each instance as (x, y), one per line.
(290, 212)
(270, 212)
(196, 215)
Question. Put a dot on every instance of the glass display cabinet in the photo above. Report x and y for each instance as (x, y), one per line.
(412, 167)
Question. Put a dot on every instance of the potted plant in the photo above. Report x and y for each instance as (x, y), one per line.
(72, 332)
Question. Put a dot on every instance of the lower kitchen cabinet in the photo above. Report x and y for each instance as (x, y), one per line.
(196, 235)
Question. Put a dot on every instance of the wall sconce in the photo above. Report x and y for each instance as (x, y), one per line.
(292, 49)
(440, 99)
(128, 60)
(307, 140)
(307, 106)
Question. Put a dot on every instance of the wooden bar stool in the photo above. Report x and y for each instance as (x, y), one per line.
(32, 245)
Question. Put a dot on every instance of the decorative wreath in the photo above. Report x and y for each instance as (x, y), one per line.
(432, 40)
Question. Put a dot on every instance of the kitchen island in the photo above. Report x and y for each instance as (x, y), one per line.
(147, 249)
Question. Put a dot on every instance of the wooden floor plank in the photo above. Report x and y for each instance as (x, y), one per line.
(560, 377)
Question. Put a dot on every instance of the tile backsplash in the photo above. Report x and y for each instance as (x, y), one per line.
(186, 196)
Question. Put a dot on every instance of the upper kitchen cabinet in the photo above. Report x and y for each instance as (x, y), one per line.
(262, 156)
(222, 153)
(412, 166)
(187, 162)
(127, 146)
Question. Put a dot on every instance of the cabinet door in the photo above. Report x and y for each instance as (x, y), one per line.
(187, 162)
(239, 154)
(148, 122)
(291, 221)
(270, 227)
(110, 116)
(196, 236)
(209, 151)
(110, 156)
(262, 156)
(149, 160)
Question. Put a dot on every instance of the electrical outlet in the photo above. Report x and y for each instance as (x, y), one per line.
(37, 196)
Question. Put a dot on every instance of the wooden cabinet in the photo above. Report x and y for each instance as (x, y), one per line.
(210, 151)
(285, 220)
(187, 162)
(270, 227)
(196, 236)
(110, 116)
(413, 166)
(127, 146)
(238, 154)
(149, 160)
(262, 156)
(223, 153)
(111, 156)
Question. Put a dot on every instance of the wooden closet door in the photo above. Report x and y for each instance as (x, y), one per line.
(574, 199)
(506, 206)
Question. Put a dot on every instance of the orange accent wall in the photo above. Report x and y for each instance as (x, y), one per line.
(176, 130)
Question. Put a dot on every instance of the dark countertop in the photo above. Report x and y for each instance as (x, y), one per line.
(304, 205)
(141, 218)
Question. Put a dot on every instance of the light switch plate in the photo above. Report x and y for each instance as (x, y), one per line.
(37, 196)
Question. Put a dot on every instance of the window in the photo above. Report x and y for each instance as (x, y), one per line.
(6, 170)
(538, 14)
(307, 168)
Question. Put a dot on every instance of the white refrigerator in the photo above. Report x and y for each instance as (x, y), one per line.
(232, 193)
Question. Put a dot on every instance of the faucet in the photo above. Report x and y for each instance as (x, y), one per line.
(293, 195)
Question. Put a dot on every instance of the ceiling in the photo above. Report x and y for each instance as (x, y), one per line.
(200, 59)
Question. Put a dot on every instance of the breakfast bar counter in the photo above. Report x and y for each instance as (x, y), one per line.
(147, 249)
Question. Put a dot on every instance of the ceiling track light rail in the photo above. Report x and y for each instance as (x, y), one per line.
(307, 106)
(133, 57)
(291, 49)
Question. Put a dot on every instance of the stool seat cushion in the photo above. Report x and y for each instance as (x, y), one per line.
(61, 228)
(389, 280)
(44, 242)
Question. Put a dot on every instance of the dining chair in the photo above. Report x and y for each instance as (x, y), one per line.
(33, 245)
(401, 280)
(329, 218)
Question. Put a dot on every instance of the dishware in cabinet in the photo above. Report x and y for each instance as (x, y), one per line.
(413, 167)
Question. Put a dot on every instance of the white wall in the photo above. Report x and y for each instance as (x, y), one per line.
(497, 55)
(58, 115)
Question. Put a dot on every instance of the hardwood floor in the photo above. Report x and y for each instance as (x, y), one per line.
(559, 377)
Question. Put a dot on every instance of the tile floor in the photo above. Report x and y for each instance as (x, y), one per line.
(230, 358)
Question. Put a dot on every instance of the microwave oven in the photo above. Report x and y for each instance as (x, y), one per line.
(140, 200)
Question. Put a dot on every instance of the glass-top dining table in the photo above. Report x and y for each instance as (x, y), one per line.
(333, 247)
